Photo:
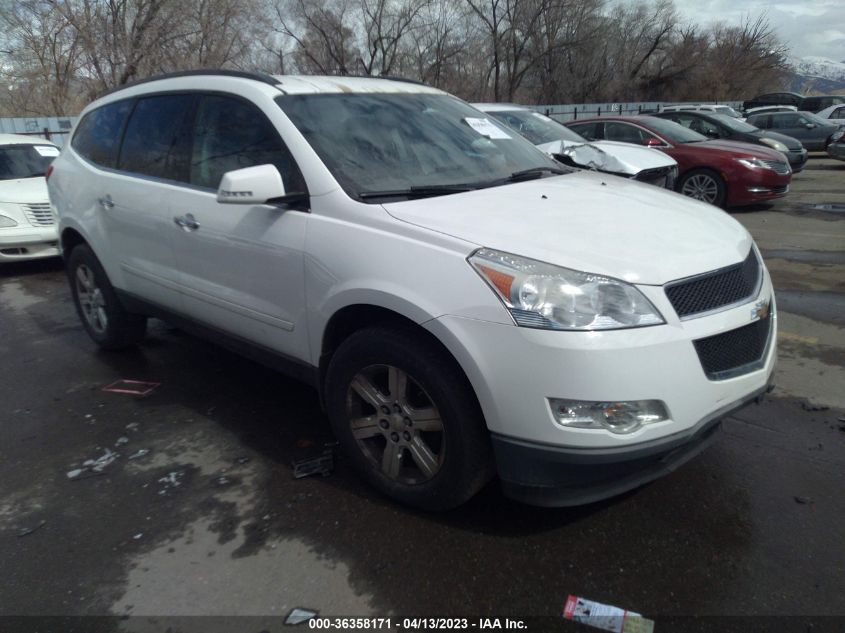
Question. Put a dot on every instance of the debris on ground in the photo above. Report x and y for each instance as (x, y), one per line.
(803, 500)
(73, 474)
(139, 453)
(132, 387)
(97, 465)
(30, 530)
(298, 616)
(121, 441)
(170, 480)
(243, 460)
(138, 536)
(807, 406)
(605, 616)
(322, 464)
(132, 426)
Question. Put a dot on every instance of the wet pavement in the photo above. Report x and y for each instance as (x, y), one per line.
(196, 512)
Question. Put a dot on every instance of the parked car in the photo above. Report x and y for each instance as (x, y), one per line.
(774, 98)
(462, 303)
(724, 173)
(833, 114)
(620, 159)
(725, 127)
(801, 102)
(818, 103)
(27, 226)
(837, 149)
(704, 107)
(813, 132)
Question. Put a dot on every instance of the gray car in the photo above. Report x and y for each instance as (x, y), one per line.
(814, 132)
(837, 150)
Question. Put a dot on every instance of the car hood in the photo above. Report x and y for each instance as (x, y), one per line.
(24, 190)
(790, 142)
(589, 222)
(739, 149)
(621, 158)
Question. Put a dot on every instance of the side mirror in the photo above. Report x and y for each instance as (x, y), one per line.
(251, 185)
(712, 134)
(809, 126)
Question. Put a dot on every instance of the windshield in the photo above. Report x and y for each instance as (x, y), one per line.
(537, 128)
(25, 161)
(733, 124)
(671, 131)
(383, 142)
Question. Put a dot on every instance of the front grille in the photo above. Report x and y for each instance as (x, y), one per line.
(39, 214)
(778, 166)
(736, 352)
(716, 289)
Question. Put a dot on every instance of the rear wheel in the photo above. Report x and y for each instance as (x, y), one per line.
(405, 415)
(704, 185)
(99, 309)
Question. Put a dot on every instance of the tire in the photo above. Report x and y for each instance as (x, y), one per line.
(97, 304)
(704, 185)
(419, 435)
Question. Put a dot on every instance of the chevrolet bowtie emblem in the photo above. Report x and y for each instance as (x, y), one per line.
(760, 310)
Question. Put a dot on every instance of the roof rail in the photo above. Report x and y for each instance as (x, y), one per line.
(264, 78)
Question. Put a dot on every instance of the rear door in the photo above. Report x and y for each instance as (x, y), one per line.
(240, 265)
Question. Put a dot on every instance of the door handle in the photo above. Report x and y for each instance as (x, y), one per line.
(106, 202)
(186, 222)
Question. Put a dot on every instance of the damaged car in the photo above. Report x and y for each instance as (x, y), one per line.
(619, 159)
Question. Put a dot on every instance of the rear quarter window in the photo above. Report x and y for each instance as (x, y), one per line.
(97, 137)
(587, 130)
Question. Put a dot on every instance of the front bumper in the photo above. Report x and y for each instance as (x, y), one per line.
(28, 242)
(757, 185)
(836, 150)
(554, 477)
(797, 159)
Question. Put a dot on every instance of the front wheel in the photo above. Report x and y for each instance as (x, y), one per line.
(704, 185)
(99, 309)
(406, 416)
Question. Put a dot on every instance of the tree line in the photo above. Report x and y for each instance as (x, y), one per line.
(57, 55)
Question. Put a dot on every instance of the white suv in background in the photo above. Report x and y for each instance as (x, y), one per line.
(27, 225)
(464, 305)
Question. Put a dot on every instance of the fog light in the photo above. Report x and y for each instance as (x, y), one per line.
(616, 417)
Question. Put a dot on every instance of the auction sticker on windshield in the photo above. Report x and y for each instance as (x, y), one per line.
(486, 128)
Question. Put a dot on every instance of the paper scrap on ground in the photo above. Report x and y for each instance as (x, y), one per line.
(297, 616)
(605, 617)
(131, 387)
(486, 128)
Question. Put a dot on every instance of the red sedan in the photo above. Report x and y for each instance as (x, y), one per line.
(724, 173)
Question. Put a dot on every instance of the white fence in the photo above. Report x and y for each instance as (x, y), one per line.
(570, 112)
(54, 129)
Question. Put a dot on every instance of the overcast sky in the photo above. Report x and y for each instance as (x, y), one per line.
(808, 27)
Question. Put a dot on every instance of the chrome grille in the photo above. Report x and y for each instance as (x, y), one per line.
(39, 214)
(777, 165)
(736, 352)
(716, 289)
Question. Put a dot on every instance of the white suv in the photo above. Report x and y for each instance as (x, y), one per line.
(27, 225)
(464, 305)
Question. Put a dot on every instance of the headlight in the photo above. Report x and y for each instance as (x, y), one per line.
(544, 296)
(753, 162)
(774, 144)
(6, 222)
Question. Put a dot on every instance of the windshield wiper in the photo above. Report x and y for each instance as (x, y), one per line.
(422, 191)
(534, 172)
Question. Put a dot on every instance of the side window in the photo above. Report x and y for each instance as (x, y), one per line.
(97, 136)
(156, 139)
(783, 121)
(615, 131)
(232, 134)
(839, 113)
(587, 130)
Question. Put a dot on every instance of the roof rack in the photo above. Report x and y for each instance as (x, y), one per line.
(267, 79)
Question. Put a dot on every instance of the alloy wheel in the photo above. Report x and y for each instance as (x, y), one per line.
(701, 187)
(91, 299)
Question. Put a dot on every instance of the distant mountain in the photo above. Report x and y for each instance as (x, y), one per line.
(817, 75)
